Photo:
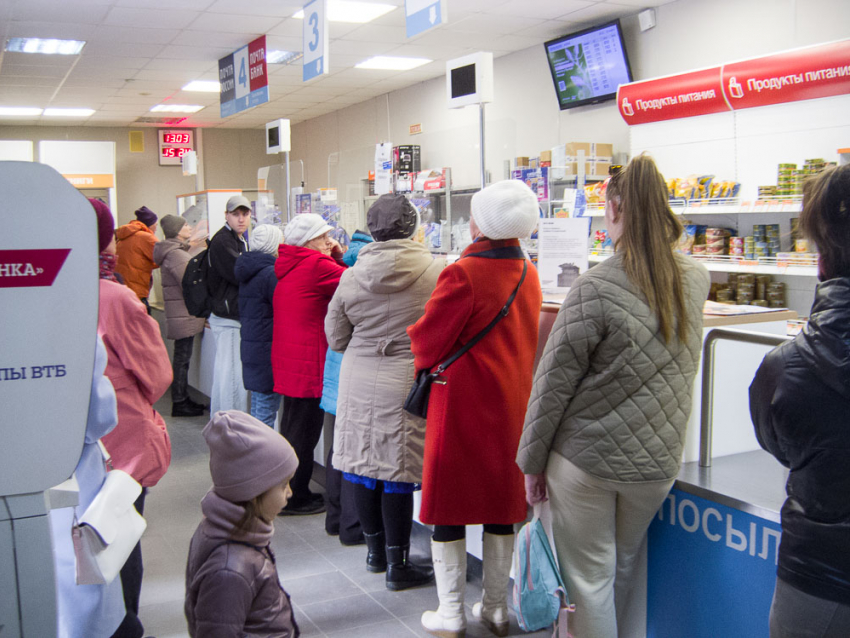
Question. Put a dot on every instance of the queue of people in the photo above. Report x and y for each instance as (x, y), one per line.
(598, 429)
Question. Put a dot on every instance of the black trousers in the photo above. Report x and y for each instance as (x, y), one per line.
(180, 368)
(391, 513)
(131, 582)
(341, 517)
(449, 533)
(301, 425)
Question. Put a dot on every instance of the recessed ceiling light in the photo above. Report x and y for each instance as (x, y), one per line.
(203, 86)
(176, 108)
(389, 63)
(68, 112)
(282, 57)
(47, 46)
(350, 11)
(19, 110)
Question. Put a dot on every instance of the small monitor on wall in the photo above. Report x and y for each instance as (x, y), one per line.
(469, 80)
(278, 137)
(588, 66)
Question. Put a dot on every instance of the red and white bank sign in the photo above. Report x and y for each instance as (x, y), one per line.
(802, 74)
(31, 268)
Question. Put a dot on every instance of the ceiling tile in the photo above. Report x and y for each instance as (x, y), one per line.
(283, 43)
(76, 82)
(193, 5)
(290, 27)
(29, 70)
(230, 41)
(377, 33)
(35, 10)
(128, 35)
(546, 9)
(25, 80)
(278, 8)
(108, 62)
(61, 30)
(360, 48)
(432, 52)
(176, 75)
(174, 52)
(549, 30)
(151, 18)
(599, 13)
(106, 73)
(491, 24)
(193, 66)
(34, 59)
(122, 49)
(229, 23)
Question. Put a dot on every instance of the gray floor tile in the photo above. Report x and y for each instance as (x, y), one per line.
(320, 588)
(164, 620)
(394, 628)
(302, 564)
(400, 603)
(346, 613)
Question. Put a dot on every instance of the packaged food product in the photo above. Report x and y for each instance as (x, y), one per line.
(801, 245)
(698, 249)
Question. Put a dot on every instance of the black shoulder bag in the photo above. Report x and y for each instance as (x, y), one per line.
(420, 393)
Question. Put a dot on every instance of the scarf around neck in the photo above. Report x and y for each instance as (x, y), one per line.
(107, 266)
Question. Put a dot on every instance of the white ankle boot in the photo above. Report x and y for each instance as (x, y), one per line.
(449, 621)
(492, 611)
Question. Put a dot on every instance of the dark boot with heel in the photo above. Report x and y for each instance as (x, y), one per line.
(376, 558)
(402, 574)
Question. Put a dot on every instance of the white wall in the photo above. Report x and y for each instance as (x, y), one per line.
(524, 117)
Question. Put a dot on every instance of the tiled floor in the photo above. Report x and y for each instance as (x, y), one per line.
(332, 592)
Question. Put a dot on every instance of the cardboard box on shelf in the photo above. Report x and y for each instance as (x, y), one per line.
(533, 162)
(546, 156)
(592, 167)
(591, 149)
(521, 162)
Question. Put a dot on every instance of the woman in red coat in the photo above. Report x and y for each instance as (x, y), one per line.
(477, 407)
(308, 269)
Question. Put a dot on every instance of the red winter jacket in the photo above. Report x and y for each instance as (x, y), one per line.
(307, 280)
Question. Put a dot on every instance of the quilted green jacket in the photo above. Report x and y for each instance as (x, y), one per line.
(609, 394)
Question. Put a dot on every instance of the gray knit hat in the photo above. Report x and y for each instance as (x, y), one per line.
(171, 225)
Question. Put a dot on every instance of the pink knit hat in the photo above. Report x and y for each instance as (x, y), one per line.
(247, 457)
(105, 224)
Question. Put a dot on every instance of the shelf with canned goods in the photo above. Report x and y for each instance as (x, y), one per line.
(791, 264)
(720, 206)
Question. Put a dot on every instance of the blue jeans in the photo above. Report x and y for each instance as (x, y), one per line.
(264, 406)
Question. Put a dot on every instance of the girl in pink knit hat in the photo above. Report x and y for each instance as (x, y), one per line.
(232, 586)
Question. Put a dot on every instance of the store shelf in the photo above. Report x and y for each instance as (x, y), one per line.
(727, 264)
(724, 206)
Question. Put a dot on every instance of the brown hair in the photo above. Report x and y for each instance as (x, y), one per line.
(252, 511)
(650, 229)
(826, 218)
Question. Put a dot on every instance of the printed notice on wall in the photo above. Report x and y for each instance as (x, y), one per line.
(383, 168)
(562, 252)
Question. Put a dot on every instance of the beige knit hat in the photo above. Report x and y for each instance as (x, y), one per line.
(505, 210)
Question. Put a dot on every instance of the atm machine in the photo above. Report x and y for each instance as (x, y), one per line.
(48, 328)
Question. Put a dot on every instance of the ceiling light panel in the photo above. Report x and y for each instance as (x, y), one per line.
(45, 46)
(176, 108)
(388, 63)
(353, 12)
(203, 86)
(19, 110)
(68, 112)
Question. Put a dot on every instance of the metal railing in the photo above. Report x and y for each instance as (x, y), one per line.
(706, 423)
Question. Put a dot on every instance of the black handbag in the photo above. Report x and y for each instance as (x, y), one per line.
(420, 393)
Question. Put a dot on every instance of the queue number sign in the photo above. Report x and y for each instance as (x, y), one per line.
(315, 39)
(174, 144)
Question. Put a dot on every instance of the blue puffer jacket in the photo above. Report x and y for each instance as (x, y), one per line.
(257, 281)
(358, 240)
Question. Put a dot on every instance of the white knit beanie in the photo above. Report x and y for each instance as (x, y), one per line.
(505, 210)
(303, 228)
(265, 238)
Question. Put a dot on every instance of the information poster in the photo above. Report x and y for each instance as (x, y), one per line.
(562, 252)
(383, 168)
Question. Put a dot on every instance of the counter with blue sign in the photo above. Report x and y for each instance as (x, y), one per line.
(713, 547)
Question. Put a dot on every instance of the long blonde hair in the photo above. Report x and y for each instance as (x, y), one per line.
(650, 230)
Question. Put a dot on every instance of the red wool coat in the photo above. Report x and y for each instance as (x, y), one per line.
(307, 279)
(475, 420)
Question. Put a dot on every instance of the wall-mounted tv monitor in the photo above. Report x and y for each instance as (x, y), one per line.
(588, 66)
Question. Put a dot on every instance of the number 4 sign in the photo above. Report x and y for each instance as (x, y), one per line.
(315, 39)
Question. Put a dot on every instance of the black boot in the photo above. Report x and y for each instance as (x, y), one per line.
(376, 558)
(185, 408)
(402, 574)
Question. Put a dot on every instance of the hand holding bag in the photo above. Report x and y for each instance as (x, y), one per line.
(420, 392)
(108, 531)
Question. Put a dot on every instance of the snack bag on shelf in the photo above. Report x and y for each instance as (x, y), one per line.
(671, 187)
(703, 186)
(687, 240)
(599, 238)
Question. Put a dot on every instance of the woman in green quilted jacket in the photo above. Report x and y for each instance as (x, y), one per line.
(606, 420)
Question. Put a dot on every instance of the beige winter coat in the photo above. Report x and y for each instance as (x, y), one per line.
(172, 255)
(377, 299)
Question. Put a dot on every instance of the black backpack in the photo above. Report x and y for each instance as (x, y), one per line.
(196, 295)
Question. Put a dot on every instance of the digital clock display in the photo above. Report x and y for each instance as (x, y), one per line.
(174, 152)
(174, 144)
(177, 138)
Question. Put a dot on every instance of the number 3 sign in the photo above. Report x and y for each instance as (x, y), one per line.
(315, 39)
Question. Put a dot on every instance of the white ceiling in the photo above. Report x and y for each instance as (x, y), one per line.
(139, 53)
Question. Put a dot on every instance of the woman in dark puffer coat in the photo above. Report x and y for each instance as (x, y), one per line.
(255, 272)
(799, 403)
